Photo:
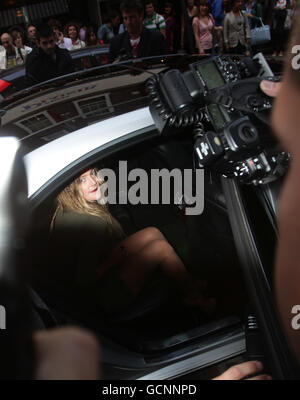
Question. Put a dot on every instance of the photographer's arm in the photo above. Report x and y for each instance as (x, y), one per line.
(66, 354)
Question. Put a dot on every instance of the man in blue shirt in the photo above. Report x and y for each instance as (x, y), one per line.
(106, 31)
(217, 11)
(218, 14)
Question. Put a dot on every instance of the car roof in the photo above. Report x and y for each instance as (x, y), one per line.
(90, 50)
(62, 105)
(65, 119)
(66, 106)
(46, 162)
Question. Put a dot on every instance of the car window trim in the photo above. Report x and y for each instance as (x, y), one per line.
(74, 168)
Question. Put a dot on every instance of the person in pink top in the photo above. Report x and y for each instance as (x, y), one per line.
(203, 26)
(170, 26)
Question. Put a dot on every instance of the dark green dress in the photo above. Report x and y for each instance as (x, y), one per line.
(79, 243)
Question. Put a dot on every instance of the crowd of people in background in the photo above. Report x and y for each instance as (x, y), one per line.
(204, 27)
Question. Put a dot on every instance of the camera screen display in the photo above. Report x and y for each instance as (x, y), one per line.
(216, 116)
(210, 75)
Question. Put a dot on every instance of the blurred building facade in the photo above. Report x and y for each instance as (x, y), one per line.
(23, 13)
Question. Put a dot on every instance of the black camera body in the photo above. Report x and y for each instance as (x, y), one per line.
(221, 100)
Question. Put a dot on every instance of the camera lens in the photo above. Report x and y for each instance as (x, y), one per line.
(248, 133)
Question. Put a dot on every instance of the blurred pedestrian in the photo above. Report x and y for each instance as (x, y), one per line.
(82, 32)
(187, 41)
(122, 28)
(153, 20)
(217, 11)
(226, 7)
(257, 13)
(236, 29)
(61, 41)
(72, 31)
(16, 29)
(18, 41)
(254, 12)
(249, 5)
(91, 37)
(136, 41)
(31, 36)
(280, 13)
(203, 26)
(9, 56)
(255, 19)
(218, 14)
(294, 11)
(106, 31)
(47, 61)
(170, 26)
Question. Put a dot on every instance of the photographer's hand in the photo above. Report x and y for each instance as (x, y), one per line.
(241, 371)
(271, 89)
(66, 353)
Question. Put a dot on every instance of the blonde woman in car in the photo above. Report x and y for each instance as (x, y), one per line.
(99, 258)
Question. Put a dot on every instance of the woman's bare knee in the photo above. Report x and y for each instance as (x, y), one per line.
(140, 266)
(137, 241)
(148, 258)
(151, 233)
(159, 249)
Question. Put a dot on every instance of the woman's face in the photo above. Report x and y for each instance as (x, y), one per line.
(238, 4)
(168, 10)
(89, 185)
(203, 9)
(19, 41)
(72, 32)
(92, 37)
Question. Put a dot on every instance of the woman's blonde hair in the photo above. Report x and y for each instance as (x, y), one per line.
(71, 199)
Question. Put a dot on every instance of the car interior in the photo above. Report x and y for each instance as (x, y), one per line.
(157, 328)
(204, 243)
